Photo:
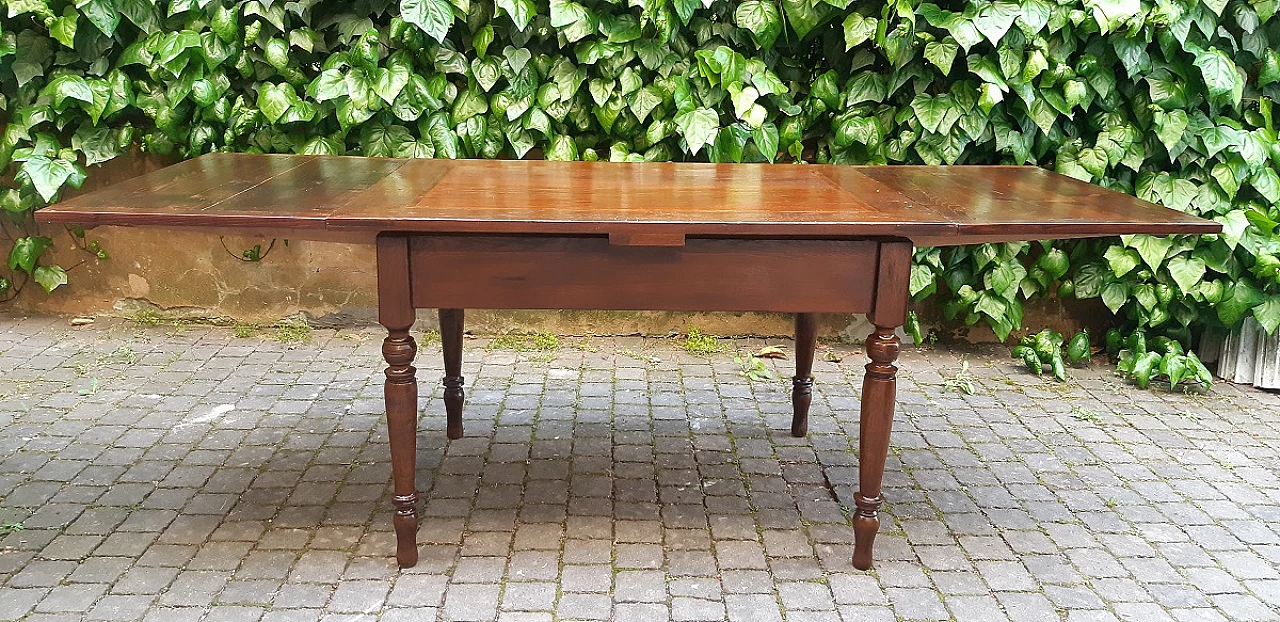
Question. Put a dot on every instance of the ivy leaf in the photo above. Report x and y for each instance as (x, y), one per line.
(26, 252)
(1241, 296)
(384, 141)
(803, 15)
(1115, 294)
(1186, 271)
(521, 12)
(1111, 13)
(328, 85)
(858, 29)
(276, 99)
(1170, 127)
(1221, 76)
(996, 18)
(699, 127)
(936, 113)
(1153, 249)
(1268, 314)
(67, 86)
(644, 101)
(762, 19)
(100, 13)
(143, 13)
(867, 86)
(766, 139)
(1122, 260)
(942, 54)
(64, 28)
(50, 277)
(47, 174)
(390, 81)
(431, 16)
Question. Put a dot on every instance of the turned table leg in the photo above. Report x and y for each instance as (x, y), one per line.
(451, 321)
(879, 388)
(395, 312)
(802, 383)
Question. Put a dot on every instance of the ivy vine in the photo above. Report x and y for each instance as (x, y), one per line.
(1170, 100)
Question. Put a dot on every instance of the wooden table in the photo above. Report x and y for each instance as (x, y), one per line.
(457, 234)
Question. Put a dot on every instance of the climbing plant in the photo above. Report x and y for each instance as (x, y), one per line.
(1170, 100)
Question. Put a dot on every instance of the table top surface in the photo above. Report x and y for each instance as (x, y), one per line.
(930, 205)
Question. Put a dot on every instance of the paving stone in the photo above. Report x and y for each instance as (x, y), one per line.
(595, 485)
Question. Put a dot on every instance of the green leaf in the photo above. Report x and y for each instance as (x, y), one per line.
(766, 139)
(762, 19)
(26, 252)
(1170, 127)
(101, 13)
(1242, 296)
(1115, 294)
(1122, 260)
(50, 277)
(67, 86)
(699, 127)
(64, 28)
(866, 86)
(275, 99)
(942, 54)
(1110, 14)
(521, 12)
(858, 29)
(47, 174)
(328, 85)
(1153, 249)
(143, 13)
(1221, 76)
(390, 81)
(384, 141)
(804, 15)
(936, 113)
(431, 16)
(1186, 271)
(1268, 314)
(996, 18)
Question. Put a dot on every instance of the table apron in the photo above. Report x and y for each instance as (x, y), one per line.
(706, 274)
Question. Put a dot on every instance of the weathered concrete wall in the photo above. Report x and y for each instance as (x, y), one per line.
(190, 274)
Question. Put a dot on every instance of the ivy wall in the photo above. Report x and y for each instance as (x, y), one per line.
(1170, 100)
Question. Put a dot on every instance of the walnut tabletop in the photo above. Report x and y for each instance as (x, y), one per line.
(929, 205)
(459, 234)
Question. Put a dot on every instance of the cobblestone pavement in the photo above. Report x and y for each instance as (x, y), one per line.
(174, 474)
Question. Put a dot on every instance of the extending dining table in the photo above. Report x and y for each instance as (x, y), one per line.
(515, 234)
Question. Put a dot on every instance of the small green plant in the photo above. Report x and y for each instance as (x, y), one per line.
(1043, 350)
(293, 331)
(753, 368)
(540, 341)
(702, 344)
(148, 317)
(1188, 415)
(127, 354)
(1081, 413)
(244, 330)
(430, 337)
(82, 368)
(961, 382)
(912, 327)
(1112, 502)
(1142, 361)
(8, 528)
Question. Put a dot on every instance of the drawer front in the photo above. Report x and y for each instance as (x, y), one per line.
(508, 272)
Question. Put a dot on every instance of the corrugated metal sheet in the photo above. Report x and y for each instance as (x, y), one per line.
(1249, 356)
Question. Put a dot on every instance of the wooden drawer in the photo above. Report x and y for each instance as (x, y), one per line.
(536, 272)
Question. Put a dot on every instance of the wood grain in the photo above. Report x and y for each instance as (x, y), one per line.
(634, 203)
(535, 272)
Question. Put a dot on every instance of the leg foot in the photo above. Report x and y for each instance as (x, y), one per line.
(401, 391)
(802, 383)
(451, 322)
(406, 525)
(866, 522)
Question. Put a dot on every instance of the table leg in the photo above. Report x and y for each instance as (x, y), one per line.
(451, 321)
(395, 312)
(879, 389)
(802, 383)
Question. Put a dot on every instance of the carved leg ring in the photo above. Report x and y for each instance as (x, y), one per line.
(802, 383)
(879, 387)
(453, 398)
(401, 390)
